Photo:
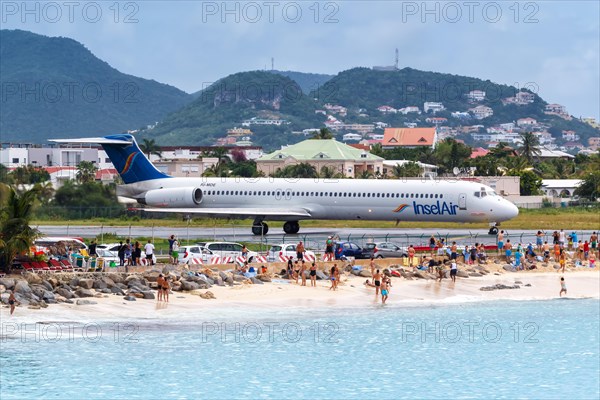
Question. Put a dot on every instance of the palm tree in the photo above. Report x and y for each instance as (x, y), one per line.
(409, 169)
(86, 172)
(365, 175)
(329, 173)
(305, 170)
(150, 147)
(501, 150)
(222, 156)
(15, 233)
(323, 133)
(377, 150)
(530, 147)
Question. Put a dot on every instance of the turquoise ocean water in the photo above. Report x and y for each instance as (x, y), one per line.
(532, 350)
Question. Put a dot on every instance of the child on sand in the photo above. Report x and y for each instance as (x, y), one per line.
(563, 287)
(562, 261)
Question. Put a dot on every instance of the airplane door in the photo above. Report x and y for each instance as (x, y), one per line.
(462, 201)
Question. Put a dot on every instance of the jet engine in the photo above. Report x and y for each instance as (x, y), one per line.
(174, 197)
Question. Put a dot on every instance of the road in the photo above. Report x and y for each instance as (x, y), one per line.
(313, 237)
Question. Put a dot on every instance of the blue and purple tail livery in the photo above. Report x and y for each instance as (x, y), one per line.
(129, 161)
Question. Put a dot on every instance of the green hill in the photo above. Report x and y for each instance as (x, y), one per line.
(364, 90)
(234, 99)
(307, 81)
(55, 87)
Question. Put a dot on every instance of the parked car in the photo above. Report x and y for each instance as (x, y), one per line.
(386, 250)
(287, 250)
(348, 249)
(187, 253)
(227, 249)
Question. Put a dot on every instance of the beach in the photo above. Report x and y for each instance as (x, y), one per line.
(351, 293)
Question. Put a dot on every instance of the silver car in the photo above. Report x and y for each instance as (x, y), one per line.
(387, 250)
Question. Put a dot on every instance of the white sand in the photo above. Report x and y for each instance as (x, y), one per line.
(282, 295)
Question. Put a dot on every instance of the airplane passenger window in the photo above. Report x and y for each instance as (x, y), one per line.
(441, 196)
(436, 195)
(412, 195)
(421, 195)
(368, 194)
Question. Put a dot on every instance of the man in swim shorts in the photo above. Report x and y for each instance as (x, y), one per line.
(377, 281)
(384, 291)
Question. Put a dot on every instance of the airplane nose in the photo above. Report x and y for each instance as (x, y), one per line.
(509, 210)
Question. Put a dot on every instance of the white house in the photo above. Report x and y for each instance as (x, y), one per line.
(410, 109)
(560, 187)
(351, 136)
(433, 107)
(526, 122)
(481, 112)
(476, 95)
(387, 110)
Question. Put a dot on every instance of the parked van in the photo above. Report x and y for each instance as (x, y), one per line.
(58, 244)
(227, 249)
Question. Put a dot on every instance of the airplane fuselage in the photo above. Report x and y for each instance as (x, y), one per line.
(385, 199)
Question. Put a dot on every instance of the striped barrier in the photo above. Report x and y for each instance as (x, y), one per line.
(283, 258)
(260, 259)
(241, 260)
(309, 257)
(195, 261)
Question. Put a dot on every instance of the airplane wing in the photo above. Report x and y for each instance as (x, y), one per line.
(98, 140)
(236, 212)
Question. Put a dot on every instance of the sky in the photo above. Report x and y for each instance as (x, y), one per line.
(550, 47)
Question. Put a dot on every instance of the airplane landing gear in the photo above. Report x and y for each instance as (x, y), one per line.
(291, 227)
(493, 230)
(260, 228)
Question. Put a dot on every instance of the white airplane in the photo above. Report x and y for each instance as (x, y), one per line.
(293, 200)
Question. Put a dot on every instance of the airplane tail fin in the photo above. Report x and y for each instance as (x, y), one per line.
(125, 154)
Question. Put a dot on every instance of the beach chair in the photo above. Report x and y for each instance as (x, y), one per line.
(40, 267)
(27, 267)
(55, 265)
(67, 266)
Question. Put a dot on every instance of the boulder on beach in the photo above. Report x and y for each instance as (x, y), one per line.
(86, 283)
(462, 274)
(8, 283)
(129, 298)
(82, 292)
(33, 279)
(264, 277)
(22, 287)
(364, 273)
(64, 293)
(256, 281)
(84, 302)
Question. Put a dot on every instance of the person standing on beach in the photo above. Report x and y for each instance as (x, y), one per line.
(303, 273)
(586, 250)
(12, 300)
(563, 286)
(411, 255)
(377, 281)
(300, 251)
(453, 270)
(563, 260)
(171, 242)
(137, 253)
(508, 251)
(121, 253)
(432, 244)
(557, 251)
(92, 249)
(166, 287)
(561, 238)
(290, 268)
(546, 251)
(332, 277)
(453, 251)
(593, 242)
(500, 241)
(313, 275)
(384, 291)
(539, 240)
(440, 270)
(175, 252)
(149, 249)
(329, 248)
(159, 283)
(372, 265)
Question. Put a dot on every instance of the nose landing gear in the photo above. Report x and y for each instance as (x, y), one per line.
(291, 227)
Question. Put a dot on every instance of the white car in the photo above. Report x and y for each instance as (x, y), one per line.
(286, 250)
(226, 249)
(188, 253)
(110, 252)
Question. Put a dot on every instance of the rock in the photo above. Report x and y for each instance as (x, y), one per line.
(99, 284)
(137, 295)
(219, 281)
(207, 295)
(223, 276)
(151, 276)
(188, 286)
(86, 283)
(82, 292)
(475, 274)
(81, 302)
(43, 305)
(115, 277)
(48, 296)
(556, 266)
(121, 285)
(8, 283)
(508, 267)
(498, 286)
(69, 301)
(129, 298)
(107, 291)
(53, 282)
(239, 278)
(420, 275)
(256, 281)
(34, 307)
(364, 273)
(74, 282)
(518, 283)
(264, 277)
(117, 290)
(149, 295)
(462, 274)
(321, 276)
(33, 279)
(22, 287)
(528, 285)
